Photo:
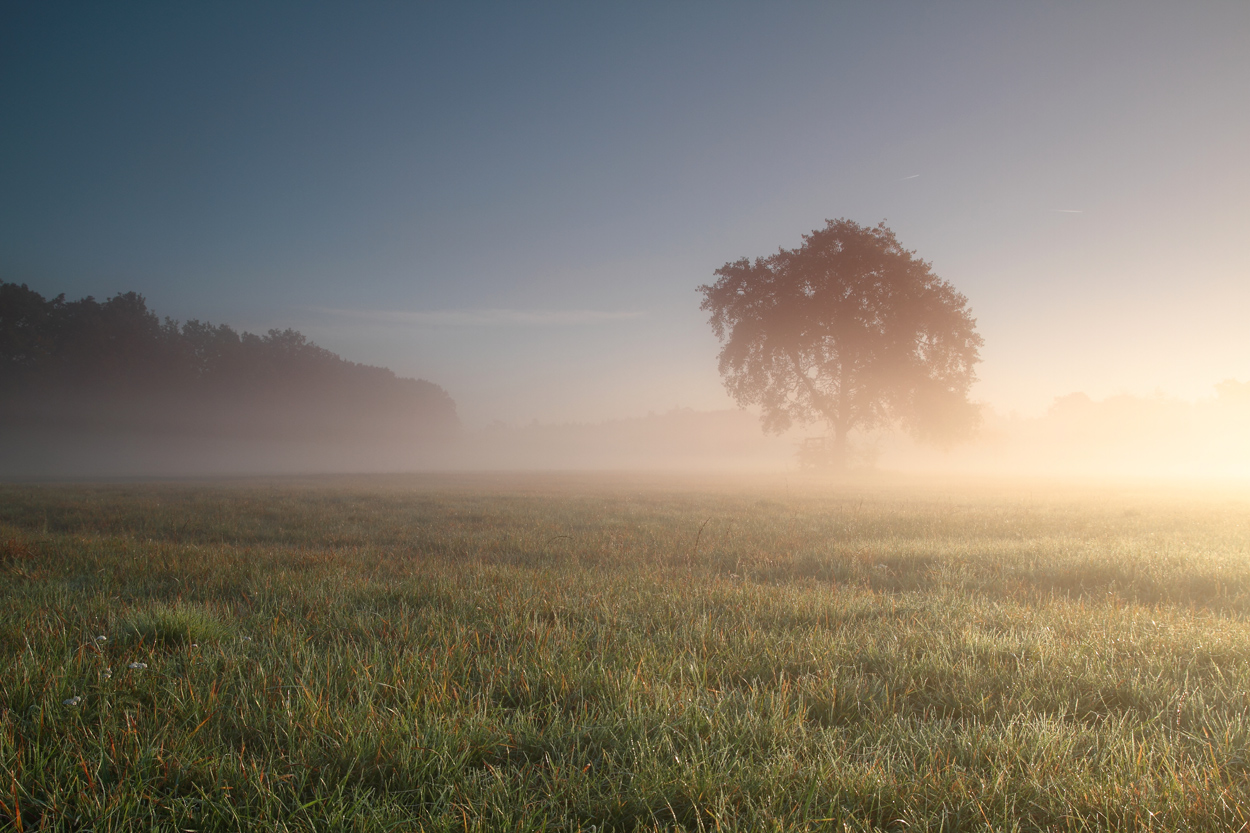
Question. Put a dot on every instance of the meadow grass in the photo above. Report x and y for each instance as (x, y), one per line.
(588, 653)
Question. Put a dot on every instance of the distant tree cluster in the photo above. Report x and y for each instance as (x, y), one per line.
(113, 365)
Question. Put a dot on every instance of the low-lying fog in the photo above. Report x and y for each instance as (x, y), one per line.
(1118, 436)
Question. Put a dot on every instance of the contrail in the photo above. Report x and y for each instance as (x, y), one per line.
(482, 317)
(913, 176)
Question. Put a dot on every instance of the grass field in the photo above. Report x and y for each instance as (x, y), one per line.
(563, 653)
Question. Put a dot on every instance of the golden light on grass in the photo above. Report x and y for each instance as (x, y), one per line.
(827, 652)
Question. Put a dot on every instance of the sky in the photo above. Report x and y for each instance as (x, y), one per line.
(519, 201)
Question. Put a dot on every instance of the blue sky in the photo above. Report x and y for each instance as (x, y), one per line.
(517, 201)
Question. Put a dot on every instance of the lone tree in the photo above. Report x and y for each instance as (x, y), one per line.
(849, 329)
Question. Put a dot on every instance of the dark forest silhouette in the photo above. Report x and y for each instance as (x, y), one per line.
(113, 366)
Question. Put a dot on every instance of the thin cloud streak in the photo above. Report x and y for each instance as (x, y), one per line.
(482, 317)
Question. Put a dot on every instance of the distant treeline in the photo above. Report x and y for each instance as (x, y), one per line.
(112, 366)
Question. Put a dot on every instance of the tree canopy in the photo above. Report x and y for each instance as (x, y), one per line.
(849, 329)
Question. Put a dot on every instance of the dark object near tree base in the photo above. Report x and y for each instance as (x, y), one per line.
(816, 453)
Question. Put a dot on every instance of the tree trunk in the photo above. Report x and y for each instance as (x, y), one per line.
(839, 458)
(843, 423)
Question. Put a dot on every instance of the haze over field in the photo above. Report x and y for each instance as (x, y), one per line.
(516, 204)
(634, 416)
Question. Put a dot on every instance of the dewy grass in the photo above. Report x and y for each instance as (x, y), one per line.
(556, 654)
(170, 626)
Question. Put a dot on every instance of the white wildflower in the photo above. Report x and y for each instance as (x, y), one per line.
(137, 666)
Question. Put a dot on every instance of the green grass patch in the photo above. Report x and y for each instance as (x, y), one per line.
(573, 653)
(172, 626)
